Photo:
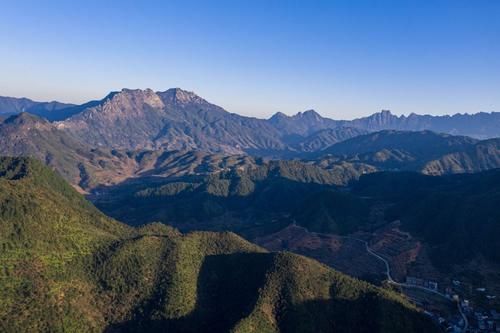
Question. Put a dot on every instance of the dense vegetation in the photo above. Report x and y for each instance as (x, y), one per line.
(65, 267)
(256, 200)
(456, 215)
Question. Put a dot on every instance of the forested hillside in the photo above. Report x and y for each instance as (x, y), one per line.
(456, 215)
(67, 267)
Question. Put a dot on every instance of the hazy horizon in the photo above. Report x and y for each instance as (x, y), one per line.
(289, 113)
(341, 59)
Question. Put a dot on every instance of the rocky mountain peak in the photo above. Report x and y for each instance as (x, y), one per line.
(382, 118)
(127, 98)
(309, 114)
(180, 97)
(278, 116)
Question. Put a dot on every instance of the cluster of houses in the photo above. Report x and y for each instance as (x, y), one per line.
(453, 324)
(414, 281)
(479, 320)
(485, 321)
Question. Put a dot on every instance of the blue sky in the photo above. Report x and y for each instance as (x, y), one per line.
(342, 58)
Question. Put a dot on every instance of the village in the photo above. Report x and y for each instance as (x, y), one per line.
(467, 317)
(456, 304)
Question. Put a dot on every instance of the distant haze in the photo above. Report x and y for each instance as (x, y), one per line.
(255, 58)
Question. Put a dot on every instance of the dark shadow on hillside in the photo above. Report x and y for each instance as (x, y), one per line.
(271, 205)
(227, 290)
(369, 313)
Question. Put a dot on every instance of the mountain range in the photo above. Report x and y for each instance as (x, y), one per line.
(51, 110)
(135, 133)
(178, 119)
(425, 151)
(89, 167)
(303, 183)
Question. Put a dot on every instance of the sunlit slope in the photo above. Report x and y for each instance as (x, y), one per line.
(65, 267)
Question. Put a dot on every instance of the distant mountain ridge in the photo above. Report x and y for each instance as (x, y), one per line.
(425, 151)
(86, 166)
(178, 119)
(481, 156)
(422, 142)
(480, 125)
(131, 133)
(324, 138)
(303, 123)
(50, 110)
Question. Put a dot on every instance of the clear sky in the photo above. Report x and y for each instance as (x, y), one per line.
(342, 58)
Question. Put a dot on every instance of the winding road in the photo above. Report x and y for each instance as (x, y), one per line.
(392, 281)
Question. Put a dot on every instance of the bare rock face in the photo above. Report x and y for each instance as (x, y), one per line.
(119, 106)
(176, 119)
(129, 118)
(105, 141)
(180, 97)
(173, 119)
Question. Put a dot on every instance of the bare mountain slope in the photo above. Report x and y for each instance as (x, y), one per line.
(174, 119)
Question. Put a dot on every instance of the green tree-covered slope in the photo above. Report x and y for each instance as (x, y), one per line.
(456, 215)
(65, 267)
